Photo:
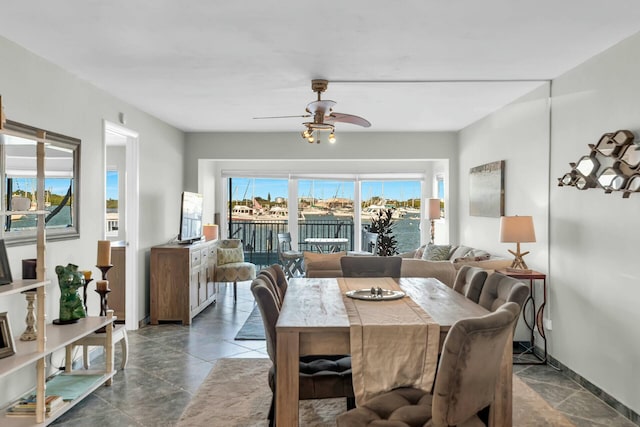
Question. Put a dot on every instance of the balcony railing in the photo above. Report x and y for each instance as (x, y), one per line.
(260, 238)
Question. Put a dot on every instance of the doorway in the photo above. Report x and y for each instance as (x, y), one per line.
(121, 207)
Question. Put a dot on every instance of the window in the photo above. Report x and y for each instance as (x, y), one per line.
(19, 177)
(258, 208)
(112, 214)
(403, 199)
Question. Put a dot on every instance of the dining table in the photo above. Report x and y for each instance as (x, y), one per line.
(327, 244)
(314, 321)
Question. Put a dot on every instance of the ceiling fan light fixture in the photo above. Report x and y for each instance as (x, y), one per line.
(332, 138)
(310, 139)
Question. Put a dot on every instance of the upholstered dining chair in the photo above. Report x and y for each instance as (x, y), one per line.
(276, 276)
(368, 244)
(231, 266)
(321, 377)
(465, 384)
(469, 282)
(291, 259)
(499, 289)
(371, 266)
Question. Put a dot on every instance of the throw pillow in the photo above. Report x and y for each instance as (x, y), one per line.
(460, 251)
(229, 255)
(436, 252)
(478, 253)
(419, 252)
(314, 256)
(471, 258)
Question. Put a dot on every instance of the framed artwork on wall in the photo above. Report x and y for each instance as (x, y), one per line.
(486, 190)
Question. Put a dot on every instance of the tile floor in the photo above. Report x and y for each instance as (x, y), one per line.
(168, 362)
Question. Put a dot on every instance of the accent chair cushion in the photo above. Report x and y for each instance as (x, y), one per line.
(235, 272)
(436, 252)
(230, 255)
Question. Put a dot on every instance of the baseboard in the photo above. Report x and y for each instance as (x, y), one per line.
(619, 407)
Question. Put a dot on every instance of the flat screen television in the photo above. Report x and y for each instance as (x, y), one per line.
(190, 217)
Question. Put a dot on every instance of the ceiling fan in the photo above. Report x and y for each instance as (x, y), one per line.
(324, 118)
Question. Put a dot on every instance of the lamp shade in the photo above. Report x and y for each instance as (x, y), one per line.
(517, 229)
(210, 231)
(434, 208)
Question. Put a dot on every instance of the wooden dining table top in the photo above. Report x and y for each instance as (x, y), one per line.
(312, 303)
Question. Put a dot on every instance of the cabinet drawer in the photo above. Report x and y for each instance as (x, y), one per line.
(195, 258)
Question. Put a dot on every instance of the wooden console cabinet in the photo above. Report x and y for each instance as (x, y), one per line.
(181, 280)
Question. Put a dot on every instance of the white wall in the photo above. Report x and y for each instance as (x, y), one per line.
(519, 135)
(354, 152)
(595, 281)
(38, 93)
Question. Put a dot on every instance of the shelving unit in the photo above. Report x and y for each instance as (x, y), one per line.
(50, 337)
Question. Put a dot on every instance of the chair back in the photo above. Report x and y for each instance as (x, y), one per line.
(267, 302)
(469, 282)
(369, 242)
(499, 289)
(268, 277)
(277, 278)
(469, 367)
(230, 243)
(371, 266)
(284, 242)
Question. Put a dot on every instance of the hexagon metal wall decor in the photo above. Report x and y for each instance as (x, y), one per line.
(612, 164)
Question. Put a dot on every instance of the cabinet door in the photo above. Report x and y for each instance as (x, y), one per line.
(202, 278)
(213, 259)
(194, 288)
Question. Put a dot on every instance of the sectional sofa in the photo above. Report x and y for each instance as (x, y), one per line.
(439, 261)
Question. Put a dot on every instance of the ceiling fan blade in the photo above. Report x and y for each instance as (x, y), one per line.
(323, 106)
(283, 117)
(347, 118)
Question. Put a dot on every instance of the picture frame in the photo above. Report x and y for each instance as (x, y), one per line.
(486, 190)
(7, 345)
(5, 270)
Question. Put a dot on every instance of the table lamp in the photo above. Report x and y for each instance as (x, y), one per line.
(517, 229)
(433, 213)
(210, 231)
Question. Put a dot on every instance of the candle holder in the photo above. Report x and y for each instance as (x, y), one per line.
(84, 294)
(103, 305)
(30, 333)
(104, 269)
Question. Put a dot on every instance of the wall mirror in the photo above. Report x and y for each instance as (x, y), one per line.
(18, 143)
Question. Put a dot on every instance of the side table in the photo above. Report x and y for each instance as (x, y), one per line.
(537, 316)
(99, 339)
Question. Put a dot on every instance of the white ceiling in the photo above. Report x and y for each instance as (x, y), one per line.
(205, 65)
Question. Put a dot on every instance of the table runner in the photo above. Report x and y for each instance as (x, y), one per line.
(393, 343)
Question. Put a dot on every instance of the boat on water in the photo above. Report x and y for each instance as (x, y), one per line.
(342, 212)
(315, 211)
(373, 211)
(243, 213)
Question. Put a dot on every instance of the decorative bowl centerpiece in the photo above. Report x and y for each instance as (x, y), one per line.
(375, 294)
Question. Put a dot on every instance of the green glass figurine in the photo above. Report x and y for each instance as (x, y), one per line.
(70, 281)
